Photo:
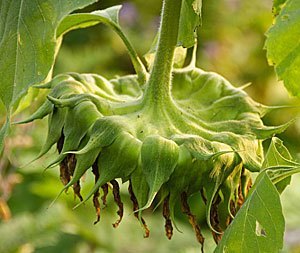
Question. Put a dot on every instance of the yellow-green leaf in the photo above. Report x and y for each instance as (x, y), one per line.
(283, 46)
(259, 224)
(190, 19)
(28, 42)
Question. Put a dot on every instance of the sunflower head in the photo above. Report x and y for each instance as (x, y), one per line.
(206, 138)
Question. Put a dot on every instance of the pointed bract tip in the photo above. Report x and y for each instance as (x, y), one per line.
(149, 203)
(265, 109)
(29, 163)
(54, 100)
(58, 195)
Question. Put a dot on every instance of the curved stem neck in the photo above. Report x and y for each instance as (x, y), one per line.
(159, 84)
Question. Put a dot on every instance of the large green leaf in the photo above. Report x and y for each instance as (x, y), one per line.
(283, 45)
(259, 224)
(28, 42)
(190, 19)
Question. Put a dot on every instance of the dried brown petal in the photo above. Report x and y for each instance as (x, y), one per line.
(166, 214)
(135, 208)
(97, 206)
(105, 192)
(192, 219)
(64, 172)
(117, 198)
(76, 189)
(71, 161)
(96, 194)
(63, 166)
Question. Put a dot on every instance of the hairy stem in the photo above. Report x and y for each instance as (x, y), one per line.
(159, 84)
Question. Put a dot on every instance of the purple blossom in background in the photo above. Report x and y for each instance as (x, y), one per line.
(128, 14)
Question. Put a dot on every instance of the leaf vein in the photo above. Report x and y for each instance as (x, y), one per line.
(32, 43)
(17, 46)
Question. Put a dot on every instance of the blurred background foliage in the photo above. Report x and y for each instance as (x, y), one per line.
(231, 42)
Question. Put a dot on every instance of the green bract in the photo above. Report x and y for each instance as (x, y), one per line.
(205, 139)
(170, 133)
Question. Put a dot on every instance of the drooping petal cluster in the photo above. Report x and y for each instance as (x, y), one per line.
(207, 140)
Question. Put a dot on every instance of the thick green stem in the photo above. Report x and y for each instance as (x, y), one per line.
(159, 83)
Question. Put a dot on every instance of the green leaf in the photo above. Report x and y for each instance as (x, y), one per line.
(159, 158)
(279, 164)
(28, 42)
(3, 133)
(283, 46)
(190, 19)
(109, 17)
(277, 6)
(259, 224)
